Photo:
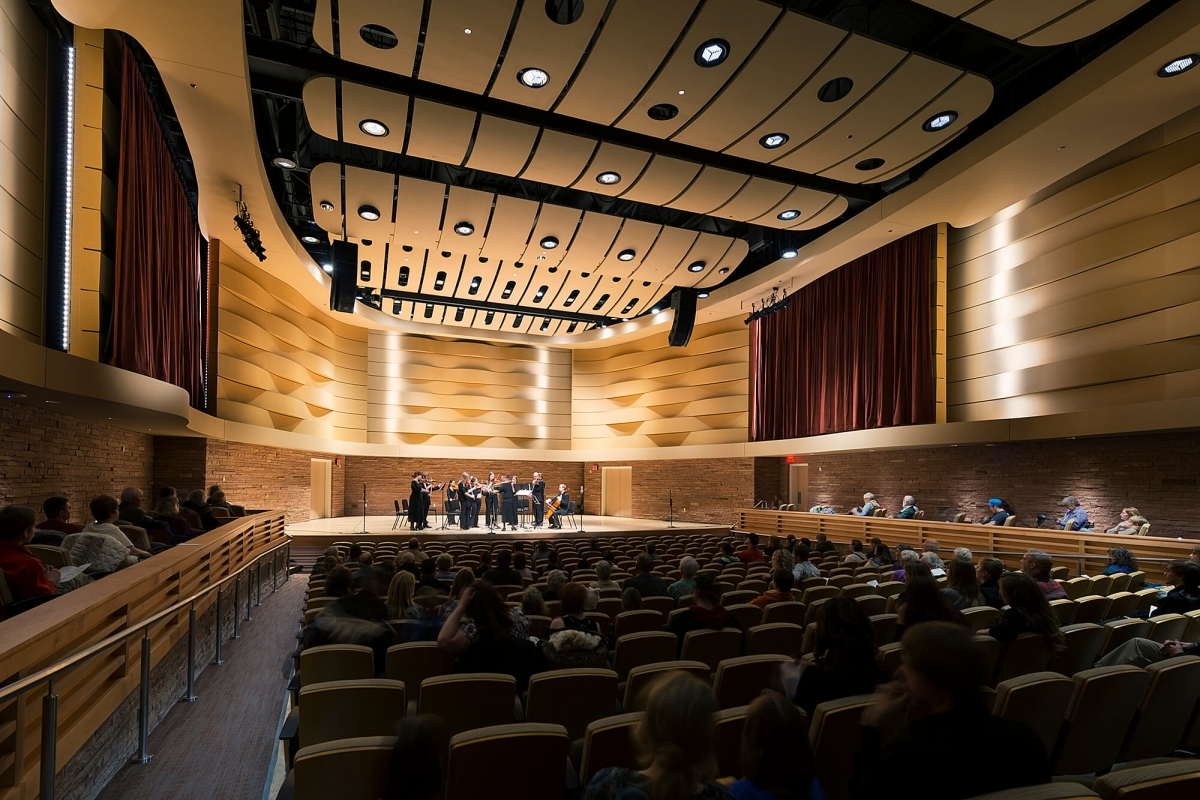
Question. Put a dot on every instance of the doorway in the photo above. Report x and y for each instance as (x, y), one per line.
(798, 486)
(321, 489)
(616, 491)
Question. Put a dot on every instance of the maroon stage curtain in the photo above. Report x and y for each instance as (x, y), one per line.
(158, 290)
(852, 350)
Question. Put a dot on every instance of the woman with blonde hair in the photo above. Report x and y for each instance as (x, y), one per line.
(400, 597)
(782, 559)
(1127, 525)
(676, 743)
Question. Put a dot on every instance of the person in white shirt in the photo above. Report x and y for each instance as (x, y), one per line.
(105, 512)
(868, 507)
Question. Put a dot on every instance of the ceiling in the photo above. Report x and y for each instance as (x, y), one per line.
(739, 130)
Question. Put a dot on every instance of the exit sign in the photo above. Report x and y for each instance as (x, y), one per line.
(791, 459)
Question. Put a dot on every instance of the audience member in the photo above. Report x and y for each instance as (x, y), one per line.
(105, 513)
(962, 586)
(521, 565)
(604, 577)
(989, 572)
(647, 584)
(444, 564)
(776, 760)
(821, 508)
(779, 592)
(998, 512)
(574, 618)
(462, 579)
(1120, 562)
(400, 603)
(932, 714)
(823, 544)
(1195, 555)
(856, 554)
(1037, 565)
(542, 553)
(908, 509)
(727, 557)
(1184, 595)
(532, 602)
(1075, 514)
(675, 743)
(688, 567)
(845, 657)
(503, 574)
(1126, 526)
(631, 600)
(352, 618)
(651, 550)
(167, 511)
(931, 556)
(1028, 612)
(352, 554)
(963, 554)
(216, 497)
(414, 547)
(26, 576)
(922, 600)
(323, 565)
(58, 516)
(868, 508)
(555, 582)
(804, 568)
(881, 555)
(485, 563)
(705, 612)
(427, 581)
(403, 562)
(782, 558)
(1144, 652)
(907, 556)
(487, 636)
(750, 554)
(195, 502)
(418, 766)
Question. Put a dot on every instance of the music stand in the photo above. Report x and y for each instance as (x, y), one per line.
(581, 530)
(671, 509)
(364, 514)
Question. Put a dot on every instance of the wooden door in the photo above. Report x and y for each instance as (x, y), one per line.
(616, 491)
(321, 489)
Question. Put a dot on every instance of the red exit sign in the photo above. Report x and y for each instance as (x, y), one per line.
(791, 459)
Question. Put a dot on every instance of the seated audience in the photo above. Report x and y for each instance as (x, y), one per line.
(485, 563)
(503, 574)
(676, 745)
(823, 545)
(922, 600)
(1120, 562)
(532, 602)
(353, 553)
(930, 554)
(989, 572)
(403, 562)
(462, 579)
(932, 714)
(998, 512)
(750, 554)
(868, 508)
(779, 592)
(845, 657)
(444, 568)
(574, 639)
(25, 575)
(1184, 595)
(907, 556)
(427, 581)
(881, 555)
(195, 502)
(1195, 555)
(1037, 565)
(908, 509)
(604, 577)
(727, 557)
(414, 547)
(962, 586)
(167, 511)
(1144, 652)
(963, 554)
(647, 584)
(651, 550)
(216, 497)
(485, 635)
(782, 558)
(1126, 525)
(804, 568)
(400, 603)
(417, 769)
(1074, 513)
(323, 565)
(1028, 612)
(130, 510)
(688, 567)
(542, 553)
(776, 760)
(574, 597)
(521, 565)
(705, 613)
(58, 516)
(856, 555)
(352, 618)
(105, 513)
(555, 582)
(631, 600)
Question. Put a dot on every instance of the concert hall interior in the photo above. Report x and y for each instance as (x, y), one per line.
(589, 399)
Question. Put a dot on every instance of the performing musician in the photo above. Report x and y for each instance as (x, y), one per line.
(429, 488)
(508, 502)
(492, 500)
(538, 498)
(471, 496)
(417, 508)
(557, 506)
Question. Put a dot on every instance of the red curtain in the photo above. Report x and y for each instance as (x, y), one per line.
(852, 350)
(158, 289)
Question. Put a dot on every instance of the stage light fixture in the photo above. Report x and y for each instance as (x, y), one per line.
(608, 178)
(1178, 66)
(369, 213)
(373, 127)
(697, 266)
(549, 242)
(626, 255)
(712, 53)
(533, 77)
(939, 121)
(464, 229)
(789, 214)
(773, 140)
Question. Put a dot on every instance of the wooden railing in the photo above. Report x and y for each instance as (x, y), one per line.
(90, 689)
(1084, 547)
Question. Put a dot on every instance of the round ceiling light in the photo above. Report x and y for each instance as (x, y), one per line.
(608, 178)
(328, 268)
(373, 127)
(464, 228)
(308, 238)
(773, 140)
(712, 53)
(939, 121)
(869, 164)
(284, 162)
(835, 90)
(702, 295)
(533, 77)
(789, 214)
(1178, 66)
(626, 255)
(662, 112)
(326, 205)
(369, 213)
(789, 253)
(723, 271)
(696, 266)
(549, 242)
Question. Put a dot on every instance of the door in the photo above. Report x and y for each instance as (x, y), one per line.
(798, 486)
(321, 489)
(616, 491)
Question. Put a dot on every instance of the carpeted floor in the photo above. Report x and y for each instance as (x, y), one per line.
(222, 747)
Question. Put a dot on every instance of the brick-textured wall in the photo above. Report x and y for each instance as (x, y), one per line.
(769, 480)
(47, 454)
(388, 479)
(706, 490)
(1155, 473)
(180, 461)
(256, 476)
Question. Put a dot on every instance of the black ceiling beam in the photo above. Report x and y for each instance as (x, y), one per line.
(286, 68)
(484, 305)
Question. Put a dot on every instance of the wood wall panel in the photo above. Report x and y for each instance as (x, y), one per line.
(647, 394)
(1087, 298)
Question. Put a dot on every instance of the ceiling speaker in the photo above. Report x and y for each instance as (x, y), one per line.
(683, 303)
(344, 287)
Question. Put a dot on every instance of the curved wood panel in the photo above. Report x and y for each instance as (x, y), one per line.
(539, 41)
(452, 56)
(401, 17)
(440, 132)
(664, 179)
(501, 145)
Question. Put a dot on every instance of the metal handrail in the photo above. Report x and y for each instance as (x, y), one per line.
(47, 675)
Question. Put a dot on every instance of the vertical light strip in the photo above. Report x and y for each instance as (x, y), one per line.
(69, 194)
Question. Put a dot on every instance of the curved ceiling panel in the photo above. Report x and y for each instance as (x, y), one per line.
(539, 42)
(463, 40)
(1047, 22)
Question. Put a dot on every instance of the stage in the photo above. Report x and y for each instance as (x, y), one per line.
(310, 538)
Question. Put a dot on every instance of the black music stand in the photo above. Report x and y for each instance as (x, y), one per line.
(671, 508)
(581, 530)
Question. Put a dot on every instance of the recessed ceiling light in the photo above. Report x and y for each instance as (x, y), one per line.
(662, 112)
(712, 53)
(373, 127)
(702, 295)
(308, 238)
(869, 164)
(723, 271)
(696, 266)
(467, 31)
(789, 253)
(940, 120)
(533, 77)
(835, 90)
(464, 228)
(681, 91)
(790, 213)
(326, 205)
(284, 162)
(1178, 66)
(608, 178)
(328, 268)
(369, 213)
(626, 255)
(773, 140)
(549, 242)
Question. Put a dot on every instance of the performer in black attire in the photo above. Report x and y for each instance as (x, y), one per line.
(467, 498)
(508, 502)
(452, 501)
(538, 488)
(416, 503)
(492, 500)
(427, 499)
(564, 502)
(476, 501)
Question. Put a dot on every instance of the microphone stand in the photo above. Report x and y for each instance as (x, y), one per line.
(671, 510)
(581, 530)
(364, 525)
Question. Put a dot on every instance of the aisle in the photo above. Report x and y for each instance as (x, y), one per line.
(222, 746)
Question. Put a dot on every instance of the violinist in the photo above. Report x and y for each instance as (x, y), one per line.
(558, 506)
(428, 488)
(508, 502)
(538, 498)
(416, 503)
(492, 500)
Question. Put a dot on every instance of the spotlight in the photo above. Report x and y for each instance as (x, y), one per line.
(249, 233)
(464, 229)
(696, 266)
(373, 127)
(369, 213)
(791, 213)
(549, 242)
(940, 120)
(723, 271)
(702, 295)
(626, 255)
(773, 140)
(608, 178)
(1178, 66)
(712, 53)
(326, 205)
(789, 253)
(285, 161)
(308, 238)
(533, 77)
(328, 268)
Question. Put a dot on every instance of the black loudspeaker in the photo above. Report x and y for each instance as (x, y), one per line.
(683, 303)
(344, 286)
